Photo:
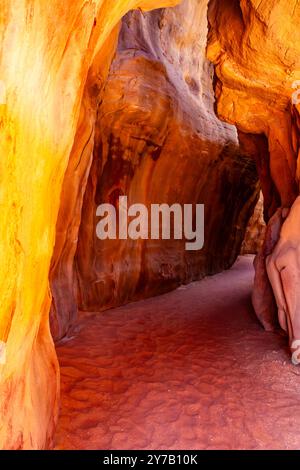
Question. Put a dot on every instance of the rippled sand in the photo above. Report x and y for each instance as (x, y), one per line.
(190, 369)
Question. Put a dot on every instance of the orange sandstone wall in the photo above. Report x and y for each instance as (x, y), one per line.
(256, 229)
(255, 47)
(159, 141)
(155, 139)
(48, 51)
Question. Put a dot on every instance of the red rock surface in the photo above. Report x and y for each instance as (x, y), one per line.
(256, 229)
(156, 139)
(47, 51)
(77, 131)
(189, 369)
(255, 48)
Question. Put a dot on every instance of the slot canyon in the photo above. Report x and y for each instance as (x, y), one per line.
(140, 343)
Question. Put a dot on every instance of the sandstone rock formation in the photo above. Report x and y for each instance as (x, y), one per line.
(262, 296)
(256, 229)
(47, 51)
(74, 136)
(255, 49)
(157, 140)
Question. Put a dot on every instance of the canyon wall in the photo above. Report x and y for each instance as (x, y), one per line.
(256, 229)
(47, 54)
(76, 132)
(157, 140)
(255, 47)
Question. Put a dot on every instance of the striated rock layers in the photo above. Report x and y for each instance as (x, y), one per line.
(255, 47)
(256, 229)
(157, 140)
(49, 54)
(73, 137)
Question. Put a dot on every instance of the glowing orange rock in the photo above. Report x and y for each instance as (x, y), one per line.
(47, 49)
(157, 139)
(255, 47)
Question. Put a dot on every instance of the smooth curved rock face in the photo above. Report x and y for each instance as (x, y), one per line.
(158, 141)
(154, 137)
(47, 50)
(256, 229)
(63, 280)
(262, 296)
(255, 47)
(283, 267)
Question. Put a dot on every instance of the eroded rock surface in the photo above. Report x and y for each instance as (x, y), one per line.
(283, 267)
(256, 229)
(210, 368)
(262, 296)
(47, 50)
(157, 140)
(73, 138)
(255, 47)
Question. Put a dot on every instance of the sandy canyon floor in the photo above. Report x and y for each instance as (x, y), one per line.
(192, 369)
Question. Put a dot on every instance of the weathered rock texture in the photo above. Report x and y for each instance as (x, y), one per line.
(283, 267)
(48, 53)
(256, 229)
(255, 47)
(262, 296)
(210, 368)
(157, 140)
(71, 139)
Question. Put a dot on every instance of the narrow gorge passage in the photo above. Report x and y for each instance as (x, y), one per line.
(189, 369)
